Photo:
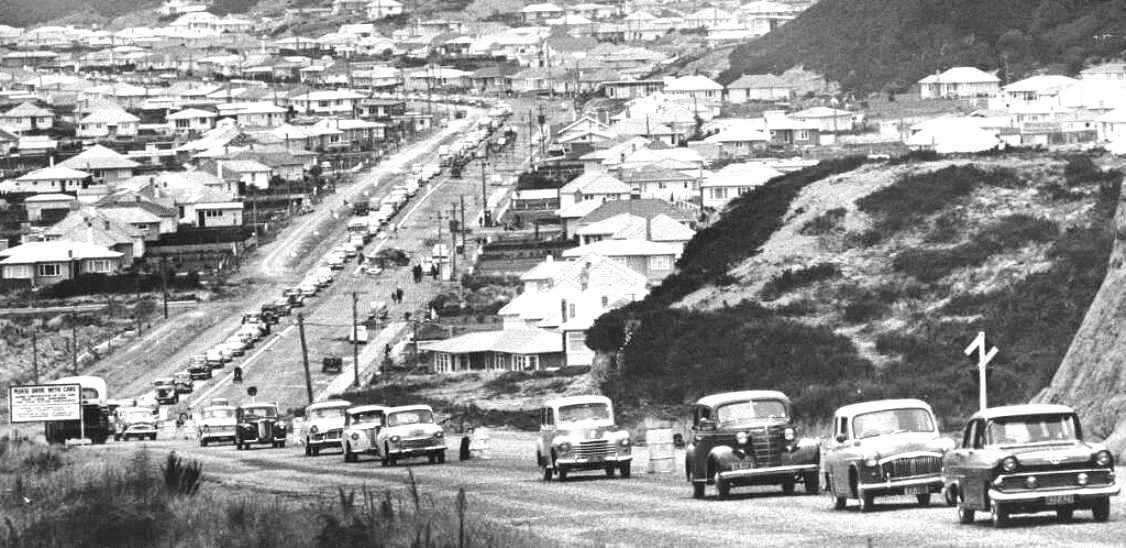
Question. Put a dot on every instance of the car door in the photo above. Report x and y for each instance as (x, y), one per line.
(964, 468)
(838, 456)
(547, 432)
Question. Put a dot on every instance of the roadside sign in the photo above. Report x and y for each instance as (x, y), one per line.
(45, 402)
(983, 358)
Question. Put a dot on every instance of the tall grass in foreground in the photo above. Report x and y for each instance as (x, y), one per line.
(52, 497)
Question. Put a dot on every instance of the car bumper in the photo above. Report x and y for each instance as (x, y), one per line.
(415, 451)
(592, 461)
(139, 432)
(1038, 496)
(326, 442)
(931, 484)
(790, 470)
(208, 436)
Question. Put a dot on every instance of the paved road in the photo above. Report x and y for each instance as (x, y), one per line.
(646, 510)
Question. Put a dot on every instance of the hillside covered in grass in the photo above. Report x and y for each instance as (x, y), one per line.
(873, 45)
(857, 280)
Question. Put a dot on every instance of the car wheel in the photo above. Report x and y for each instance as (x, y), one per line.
(442, 457)
(1100, 509)
(624, 469)
(117, 437)
(867, 502)
(1065, 514)
(998, 514)
(965, 515)
(349, 456)
(280, 445)
(316, 449)
(562, 472)
(923, 499)
(722, 487)
(308, 449)
(812, 481)
(839, 503)
(238, 445)
(609, 470)
(788, 487)
(547, 472)
(698, 488)
(384, 460)
(202, 442)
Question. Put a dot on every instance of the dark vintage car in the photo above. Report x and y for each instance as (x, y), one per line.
(1023, 459)
(258, 423)
(198, 368)
(165, 390)
(578, 433)
(747, 438)
(881, 448)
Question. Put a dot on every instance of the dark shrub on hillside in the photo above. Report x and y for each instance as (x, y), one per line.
(824, 223)
(791, 279)
(675, 356)
(915, 196)
(473, 282)
(863, 311)
(1080, 170)
(1011, 232)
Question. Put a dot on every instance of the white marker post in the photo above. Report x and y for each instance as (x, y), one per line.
(983, 359)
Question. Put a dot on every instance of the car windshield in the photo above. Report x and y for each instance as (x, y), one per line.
(367, 417)
(584, 412)
(325, 413)
(162, 382)
(417, 416)
(746, 411)
(260, 412)
(892, 421)
(1032, 429)
(136, 414)
(218, 413)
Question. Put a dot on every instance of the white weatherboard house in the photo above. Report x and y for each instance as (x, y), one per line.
(48, 263)
(103, 164)
(959, 83)
(732, 181)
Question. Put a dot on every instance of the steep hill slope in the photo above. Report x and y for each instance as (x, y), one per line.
(22, 13)
(871, 45)
(853, 281)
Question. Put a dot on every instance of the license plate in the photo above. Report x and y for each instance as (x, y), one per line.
(743, 466)
(1059, 500)
(916, 490)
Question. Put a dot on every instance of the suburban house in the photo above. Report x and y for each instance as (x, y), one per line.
(654, 181)
(140, 212)
(26, 117)
(734, 180)
(654, 260)
(826, 119)
(379, 9)
(759, 87)
(85, 225)
(596, 187)
(539, 13)
(103, 164)
(1112, 72)
(1042, 88)
(49, 208)
(624, 226)
(740, 138)
(288, 164)
(630, 89)
(48, 180)
(253, 114)
(644, 208)
(48, 263)
(504, 350)
(566, 297)
(334, 102)
(248, 172)
(787, 131)
(696, 87)
(107, 122)
(959, 83)
(191, 120)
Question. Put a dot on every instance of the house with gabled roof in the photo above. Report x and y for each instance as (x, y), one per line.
(625, 226)
(48, 180)
(103, 164)
(697, 87)
(654, 260)
(86, 225)
(140, 211)
(26, 117)
(759, 87)
(959, 83)
(191, 120)
(586, 213)
(595, 187)
(664, 183)
(379, 9)
(732, 181)
(107, 122)
(537, 13)
(48, 263)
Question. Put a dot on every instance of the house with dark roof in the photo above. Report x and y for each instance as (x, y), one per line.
(590, 212)
(86, 225)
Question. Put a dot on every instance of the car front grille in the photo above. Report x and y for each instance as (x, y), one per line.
(334, 434)
(766, 443)
(1055, 480)
(592, 448)
(907, 467)
(416, 443)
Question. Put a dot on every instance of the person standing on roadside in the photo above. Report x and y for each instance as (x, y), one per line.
(399, 294)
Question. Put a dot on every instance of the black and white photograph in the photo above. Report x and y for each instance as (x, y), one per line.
(569, 273)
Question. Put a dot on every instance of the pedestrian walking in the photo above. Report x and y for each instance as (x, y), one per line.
(434, 271)
(417, 272)
(399, 294)
(394, 298)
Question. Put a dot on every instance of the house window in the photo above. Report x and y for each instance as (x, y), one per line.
(571, 311)
(605, 301)
(719, 193)
(49, 270)
(100, 266)
(441, 361)
(576, 341)
(18, 272)
(182, 124)
(660, 262)
(212, 213)
(803, 135)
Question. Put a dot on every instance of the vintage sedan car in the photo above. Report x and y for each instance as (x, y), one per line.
(324, 425)
(361, 428)
(198, 367)
(216, 423)
(134, 422)
(747, 438)
(165, 389)
(881, 448)
(258, 423)
(578, 433)
(1022, 459)
(183, 381)
(410, 431)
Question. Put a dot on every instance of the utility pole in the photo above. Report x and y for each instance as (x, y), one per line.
(453, 242)
(461, 227)
(74, 338)
(164, 285)
(355, 343)
(35, 351)
(305, 356)
(484, 198)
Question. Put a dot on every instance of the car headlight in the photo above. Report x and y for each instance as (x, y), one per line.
(1009, 464)
(741, 438)
(624, 441)
(1104, 458)
(564, 447)
(439, 434)
(394, 439)
(313, 429)
(355, 436)
(789, 434)
(872, 462)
